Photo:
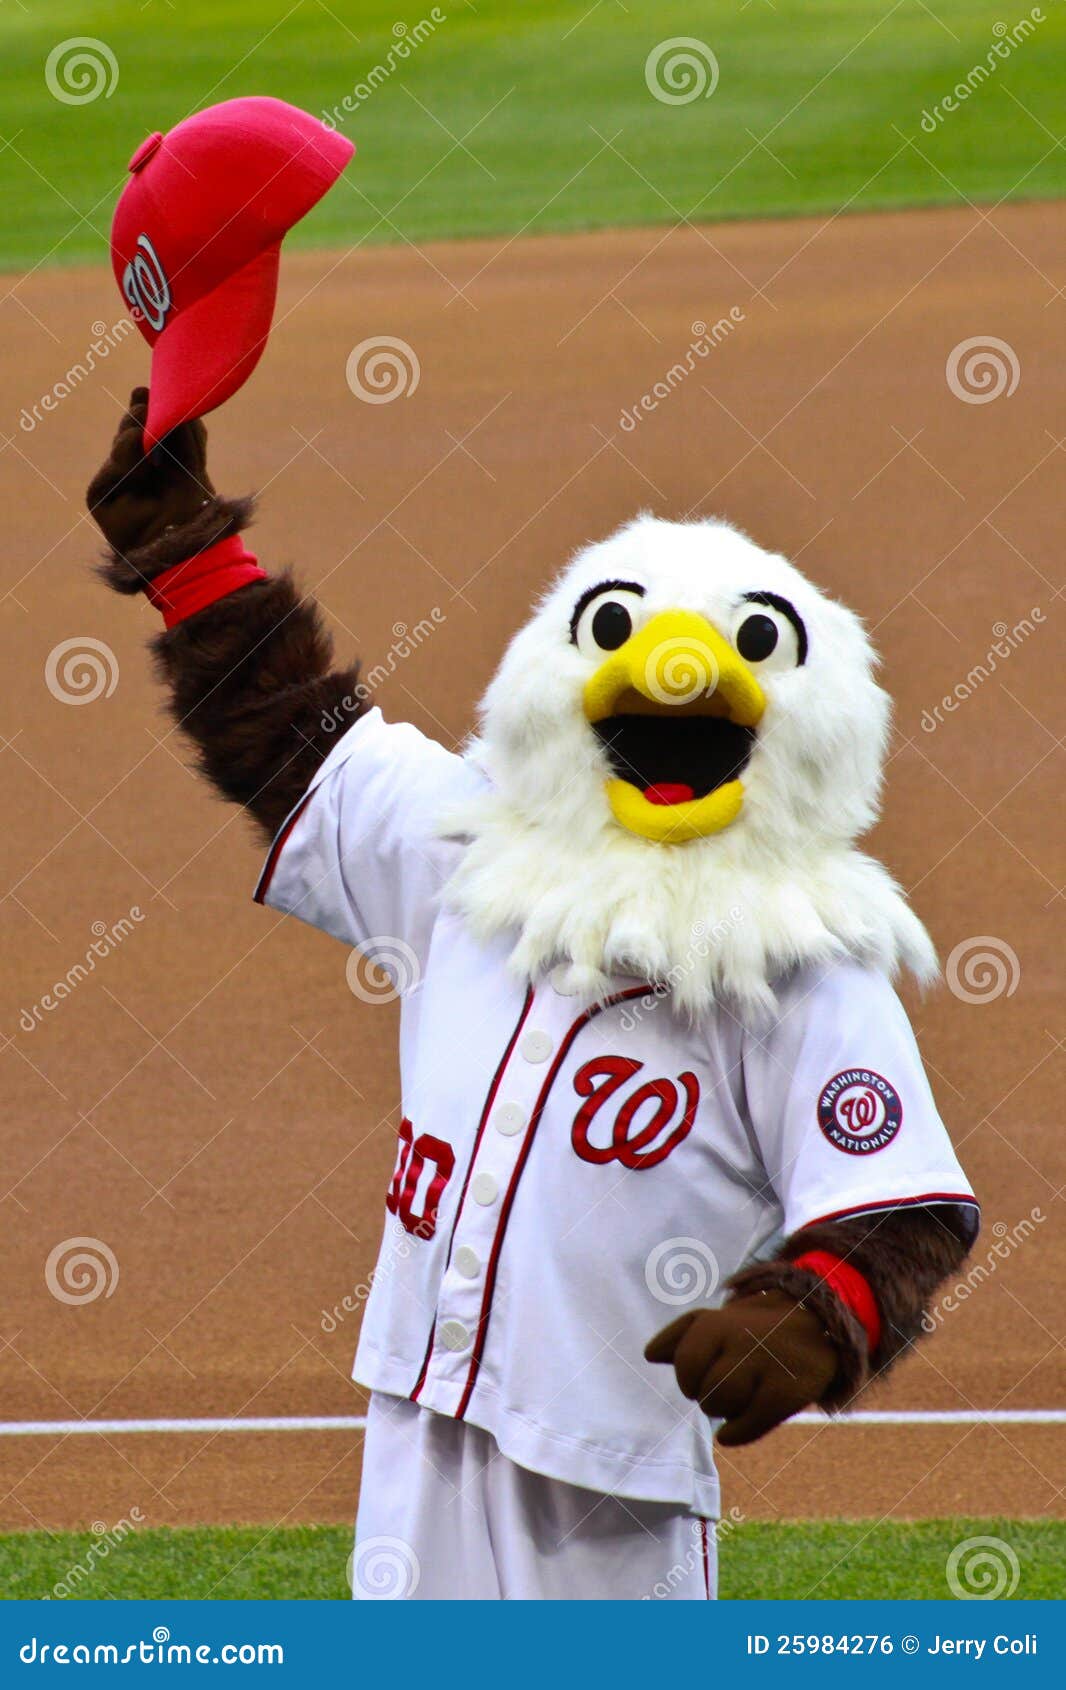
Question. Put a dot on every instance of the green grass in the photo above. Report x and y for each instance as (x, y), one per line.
(801, 1559)
(833, 86)
(834, 1559)
(250, 1562)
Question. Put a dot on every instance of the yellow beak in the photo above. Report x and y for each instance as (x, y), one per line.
(678, 664)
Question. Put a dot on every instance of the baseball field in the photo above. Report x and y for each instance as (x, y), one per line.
(799, 265)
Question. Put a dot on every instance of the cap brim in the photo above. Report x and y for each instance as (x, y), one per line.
(211, 348)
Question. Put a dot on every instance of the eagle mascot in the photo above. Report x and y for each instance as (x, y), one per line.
(668, 1165)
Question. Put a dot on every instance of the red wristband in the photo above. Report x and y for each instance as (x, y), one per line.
(212, 574)
(850, 1286)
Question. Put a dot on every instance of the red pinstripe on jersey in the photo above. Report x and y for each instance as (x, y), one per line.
(276, 849)
(505, 1209)
(485, 1113)
(964, 1197)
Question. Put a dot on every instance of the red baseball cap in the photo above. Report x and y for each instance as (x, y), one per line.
(196, 239)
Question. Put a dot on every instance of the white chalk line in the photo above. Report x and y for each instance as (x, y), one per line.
(357, 1422)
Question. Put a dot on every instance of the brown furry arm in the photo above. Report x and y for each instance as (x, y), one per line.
(250, 677)
(903, 1254)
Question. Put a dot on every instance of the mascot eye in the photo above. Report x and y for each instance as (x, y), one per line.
(756, 637)
(611, 625)
(606, 620)
(769, 636)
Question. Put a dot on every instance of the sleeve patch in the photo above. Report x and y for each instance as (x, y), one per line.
(859, 1112)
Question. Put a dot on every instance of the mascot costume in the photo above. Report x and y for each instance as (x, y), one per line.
(648, 1029)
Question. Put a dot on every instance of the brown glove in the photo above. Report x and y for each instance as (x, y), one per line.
(752, 1363)
(155, 510)
(134, 498)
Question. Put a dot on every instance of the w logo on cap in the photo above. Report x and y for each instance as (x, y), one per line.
(219, 192)
(145, 285)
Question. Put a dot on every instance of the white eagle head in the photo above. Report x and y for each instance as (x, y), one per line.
(682, 746)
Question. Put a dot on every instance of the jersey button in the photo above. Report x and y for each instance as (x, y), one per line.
(453, 1335)
(536, 1046)
(509, 1120)
(561, 978)
(467, 1262)
(483, 1189)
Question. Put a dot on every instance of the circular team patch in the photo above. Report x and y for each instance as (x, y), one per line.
(859, 1111)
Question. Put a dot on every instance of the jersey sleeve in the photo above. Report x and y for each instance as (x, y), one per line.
(840, 1105)
(360, 856)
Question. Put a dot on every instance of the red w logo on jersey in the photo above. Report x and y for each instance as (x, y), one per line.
(636, 1138)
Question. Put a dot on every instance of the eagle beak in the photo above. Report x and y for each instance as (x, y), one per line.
(675, 709)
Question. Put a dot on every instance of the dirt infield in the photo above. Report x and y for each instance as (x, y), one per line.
(209, 1102)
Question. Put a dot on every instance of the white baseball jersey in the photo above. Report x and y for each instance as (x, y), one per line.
(569, 1175)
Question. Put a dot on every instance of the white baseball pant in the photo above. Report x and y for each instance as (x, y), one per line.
(444, 1516)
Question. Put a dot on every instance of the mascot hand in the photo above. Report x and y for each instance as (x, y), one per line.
(136, 498)
(752, 1363)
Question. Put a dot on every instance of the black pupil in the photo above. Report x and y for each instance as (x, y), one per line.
(756, 638)
(611, 625)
